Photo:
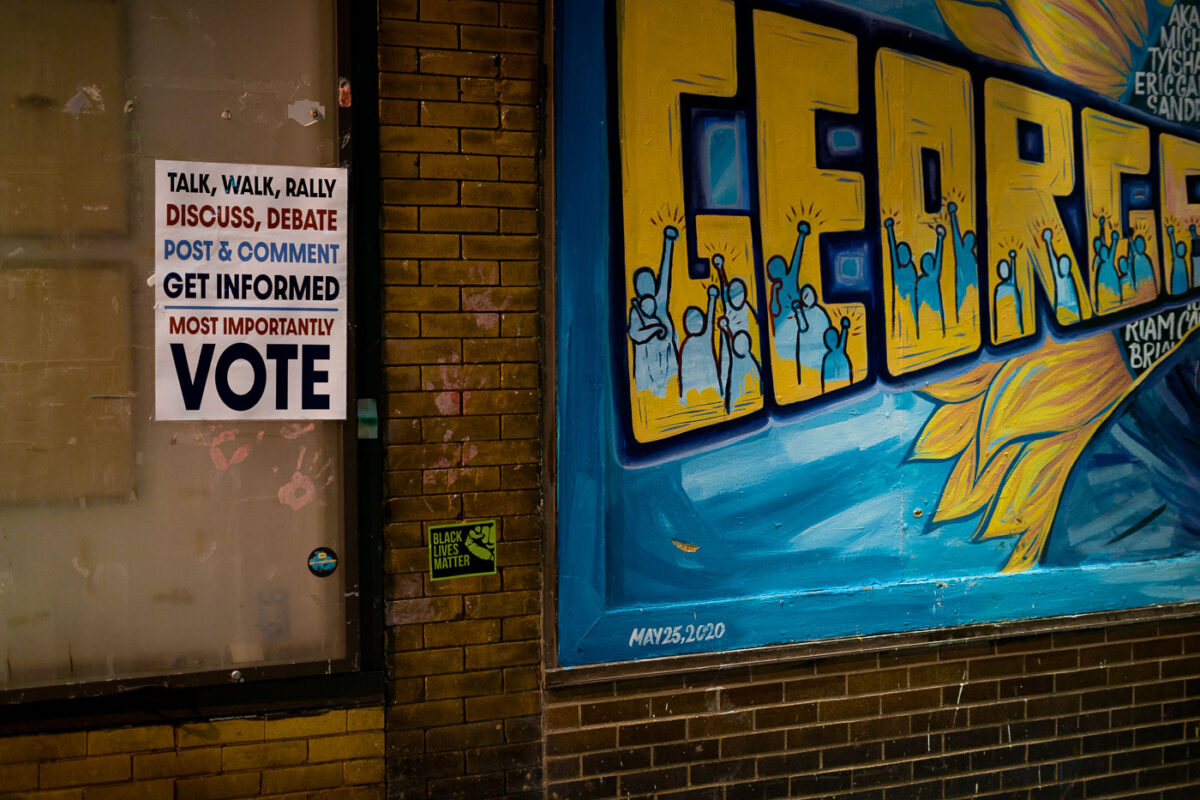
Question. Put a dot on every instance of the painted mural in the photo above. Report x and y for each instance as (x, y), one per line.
(872, 317)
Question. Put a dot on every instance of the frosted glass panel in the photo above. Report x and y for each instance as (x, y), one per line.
(131, 547)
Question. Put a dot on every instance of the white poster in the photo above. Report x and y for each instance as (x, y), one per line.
(250, 292)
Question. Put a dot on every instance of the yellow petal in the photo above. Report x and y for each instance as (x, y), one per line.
(954, 502)
(1128, 17)
(948, 431)
(1058, 388)
(1089, 42)
(1078, 40)
(966, 492)
(964, 387)
(1028, 551)
(1030, 496)
(987, 30)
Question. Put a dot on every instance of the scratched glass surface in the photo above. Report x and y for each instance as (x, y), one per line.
(130, 547)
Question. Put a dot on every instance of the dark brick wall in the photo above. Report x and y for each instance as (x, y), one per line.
(334, 755)
(459, 95)
(1105, 712)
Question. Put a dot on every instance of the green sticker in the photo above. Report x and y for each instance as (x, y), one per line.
(462, 549)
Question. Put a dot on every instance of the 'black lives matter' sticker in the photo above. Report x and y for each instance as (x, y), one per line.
(462, 549)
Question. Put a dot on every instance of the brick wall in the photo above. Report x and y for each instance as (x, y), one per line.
(337, 755)
(1106, 712)
(459, 95)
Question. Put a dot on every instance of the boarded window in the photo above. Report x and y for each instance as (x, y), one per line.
(131, 547)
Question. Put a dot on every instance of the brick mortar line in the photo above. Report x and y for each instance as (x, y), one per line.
(909, 759)
(461, 181)
(798, 678)
(804, 677)
(835, 698)
(882, 786)
(1187, 784)
(965, 707)
(190, 748)
(906, 783)
(825, 770)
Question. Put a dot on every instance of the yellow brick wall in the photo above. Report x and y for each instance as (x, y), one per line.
(336, 755)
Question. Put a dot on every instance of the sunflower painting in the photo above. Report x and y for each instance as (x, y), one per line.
(1014, 429)
(1097, 44)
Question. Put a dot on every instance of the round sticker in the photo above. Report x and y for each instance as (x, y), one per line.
(322, 562)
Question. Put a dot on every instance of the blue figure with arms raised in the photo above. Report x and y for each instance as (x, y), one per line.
(966, 268)
(655, 351)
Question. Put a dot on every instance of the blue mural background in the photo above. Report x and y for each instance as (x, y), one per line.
(812, 527)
